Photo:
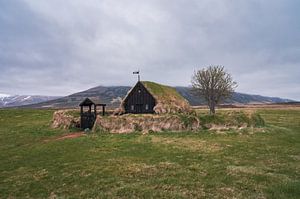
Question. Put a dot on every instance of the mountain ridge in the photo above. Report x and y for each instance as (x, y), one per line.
(112, 96)
(23, 100)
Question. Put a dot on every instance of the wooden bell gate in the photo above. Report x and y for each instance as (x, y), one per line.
(88, 117)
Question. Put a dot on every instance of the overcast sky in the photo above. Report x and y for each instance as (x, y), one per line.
(55, 47)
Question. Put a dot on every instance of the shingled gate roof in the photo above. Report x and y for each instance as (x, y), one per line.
(91, 101)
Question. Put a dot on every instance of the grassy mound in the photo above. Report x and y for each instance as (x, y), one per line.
(130, 123)
(223, 120)
(65, 119)
(232, 119)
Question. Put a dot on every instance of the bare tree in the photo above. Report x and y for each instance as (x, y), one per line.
(214, 84)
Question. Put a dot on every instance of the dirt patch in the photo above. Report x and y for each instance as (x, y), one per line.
(70, 136)
(67, 136)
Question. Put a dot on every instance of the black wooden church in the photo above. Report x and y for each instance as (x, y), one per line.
(139, 100)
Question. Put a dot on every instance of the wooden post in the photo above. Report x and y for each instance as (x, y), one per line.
(90, 108)
(95, 110)
(103, 110)
(81, 110)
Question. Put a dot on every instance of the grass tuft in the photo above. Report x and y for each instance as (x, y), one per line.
(289, 190)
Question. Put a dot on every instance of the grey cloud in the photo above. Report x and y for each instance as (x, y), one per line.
(59, 47)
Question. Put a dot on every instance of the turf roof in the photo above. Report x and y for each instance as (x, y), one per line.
(162, 92)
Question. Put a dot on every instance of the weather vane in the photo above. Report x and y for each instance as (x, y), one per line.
(137, 73)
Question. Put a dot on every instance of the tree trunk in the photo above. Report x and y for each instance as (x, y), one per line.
(212, 108)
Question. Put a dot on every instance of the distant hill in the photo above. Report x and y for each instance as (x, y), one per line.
(112, 96)
(21, 100)
(237, 98)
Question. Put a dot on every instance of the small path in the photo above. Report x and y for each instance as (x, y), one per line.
(67, 136)
(71, 135)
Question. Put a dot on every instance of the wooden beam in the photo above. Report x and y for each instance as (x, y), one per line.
(103, 110)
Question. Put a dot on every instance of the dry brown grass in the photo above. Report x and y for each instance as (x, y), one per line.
(188, 144)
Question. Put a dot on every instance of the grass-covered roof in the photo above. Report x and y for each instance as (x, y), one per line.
(162, 92)
(168, 100)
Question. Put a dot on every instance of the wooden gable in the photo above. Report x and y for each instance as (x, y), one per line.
(139, 100)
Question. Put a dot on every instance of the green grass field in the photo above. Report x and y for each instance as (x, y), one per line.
(251, 163)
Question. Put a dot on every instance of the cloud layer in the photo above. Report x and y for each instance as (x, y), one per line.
(59, 47)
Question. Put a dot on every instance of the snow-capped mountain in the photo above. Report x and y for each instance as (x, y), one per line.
(21, 100)
(3, 95)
